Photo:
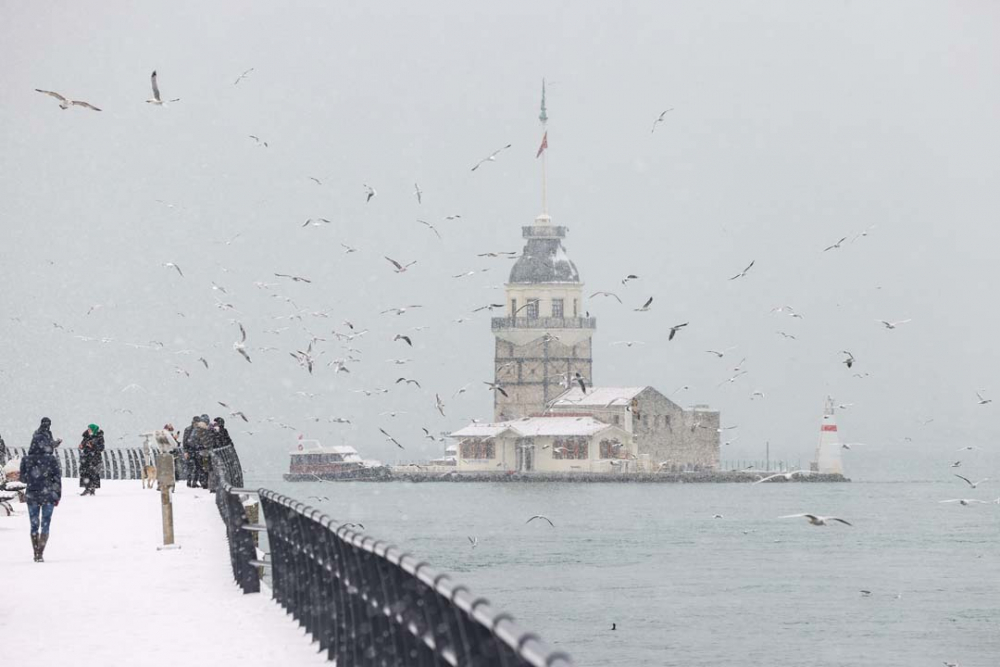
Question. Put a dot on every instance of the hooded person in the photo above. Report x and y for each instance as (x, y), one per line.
(91, 449)
(203, 439)
(222, 438)
(43, 479)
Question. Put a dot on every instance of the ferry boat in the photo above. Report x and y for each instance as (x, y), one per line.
(311, 461)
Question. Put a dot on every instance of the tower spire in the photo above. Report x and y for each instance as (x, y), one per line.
(544, 118)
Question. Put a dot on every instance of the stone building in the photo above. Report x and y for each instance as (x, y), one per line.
(544, 337)
(546, 444)
(666, 436)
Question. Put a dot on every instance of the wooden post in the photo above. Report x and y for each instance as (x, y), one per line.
(165, 479)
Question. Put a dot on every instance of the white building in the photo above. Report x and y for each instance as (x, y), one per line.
(546, 444)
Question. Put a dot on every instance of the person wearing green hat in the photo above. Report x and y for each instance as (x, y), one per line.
(91, 448)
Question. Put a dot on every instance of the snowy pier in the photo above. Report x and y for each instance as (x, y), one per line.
(106, 596)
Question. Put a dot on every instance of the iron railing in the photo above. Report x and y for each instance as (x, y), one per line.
(367, 602)
(500, 323)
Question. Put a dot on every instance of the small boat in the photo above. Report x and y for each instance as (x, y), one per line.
(311, 461)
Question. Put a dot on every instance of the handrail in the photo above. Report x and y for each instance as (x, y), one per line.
(365, 601)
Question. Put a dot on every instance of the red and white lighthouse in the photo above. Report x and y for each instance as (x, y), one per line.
(828, 460)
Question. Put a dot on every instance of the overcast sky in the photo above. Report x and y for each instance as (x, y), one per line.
(794, 125)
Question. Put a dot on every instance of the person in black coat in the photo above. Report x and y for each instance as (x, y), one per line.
(202, 441)
(187, 445)
(40, 472)
(222, 438)
(91, 449)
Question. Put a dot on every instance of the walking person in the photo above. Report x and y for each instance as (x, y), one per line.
(91, 449)
(40, 472)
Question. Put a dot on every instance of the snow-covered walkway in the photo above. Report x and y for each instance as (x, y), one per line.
(105, 596)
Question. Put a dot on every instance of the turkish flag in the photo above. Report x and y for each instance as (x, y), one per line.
(545, 144)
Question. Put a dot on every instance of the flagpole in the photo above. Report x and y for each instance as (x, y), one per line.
(544, 117)
(545, 202)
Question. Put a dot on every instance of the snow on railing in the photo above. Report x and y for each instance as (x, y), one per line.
(365, 601)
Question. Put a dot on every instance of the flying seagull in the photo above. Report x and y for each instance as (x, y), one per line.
(606, 294)
(496, 387)
(439, 404)
(492, 157)
(849, 361)
(580, 381)
(744, 271)
(391, 439)
(970, 482)
(815, 519)
(65, 103)
(400, 268)
(242, 76)
(405, 339)
(645, 306)
(240, 345)
(540, 516)
(316, 222)
(629, 277)
(983, 401)
(786, 475)
(430, 226)
(835, 245)
(474, 541)
(258, 140)
(174, 266)
(965, 501)
(156, 93)
(660, 119)
(674, 329)
(418, 193)
(408, 381)
(369, 192)
(892, 325)
(297, 279)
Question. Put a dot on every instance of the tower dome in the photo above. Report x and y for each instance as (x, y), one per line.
(544, 260)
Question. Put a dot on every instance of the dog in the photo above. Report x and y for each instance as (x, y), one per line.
(148, 476)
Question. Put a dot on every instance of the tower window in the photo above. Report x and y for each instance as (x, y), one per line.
(532, 309)
(513, 307)
(574, 309)
(557, 307)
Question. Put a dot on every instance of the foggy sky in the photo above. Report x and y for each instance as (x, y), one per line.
(794, 124)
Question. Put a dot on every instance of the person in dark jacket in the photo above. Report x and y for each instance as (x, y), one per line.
(222, 438)
(40, 472)
(203, 439)
(187, 445)
(91, 449)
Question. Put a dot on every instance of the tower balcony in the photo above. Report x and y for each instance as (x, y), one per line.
(504, 323)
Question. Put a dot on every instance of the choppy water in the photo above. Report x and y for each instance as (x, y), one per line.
(687, 589)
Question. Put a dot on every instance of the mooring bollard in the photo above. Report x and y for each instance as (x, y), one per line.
(165, 480)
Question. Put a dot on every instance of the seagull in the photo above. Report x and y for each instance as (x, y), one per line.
(439, 404)
(174, 266)
(540, 516)
(645, 306)
(835, 245)
(849, 361)
(495, 387)
(240, 345)
(674, 329)
(492, 157)
(474, 541)
(970, 482)
(733, 378)
(629, 277)
(156, 93)
(391, 439)
(720, 354)
(317, 498)
(430, 227)
(744, 271)
(418, 193)
(892, 325)
(297, 279)
(339, 420)
(983, 401)
(717, 516)
(966, 447)
(580, 381)
(242, 76)
(348, 249)
(787, 335)
(731, 441)
(628, 343)
(494, 306)
(316, 222)
(408, 381)
(369, 192)
(956, 464)
(660, 119)
(964, 501)
(786, 475)
(606, 294)
(400, 268)
(815, 519)
(403, 338)
(65, 103)
(258, 140)
(400, 310)
(204, 361)
(756, 394)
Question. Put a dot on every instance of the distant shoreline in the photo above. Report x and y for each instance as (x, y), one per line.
(728, 477)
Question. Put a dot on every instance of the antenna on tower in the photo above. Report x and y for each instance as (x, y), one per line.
(544, 118)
